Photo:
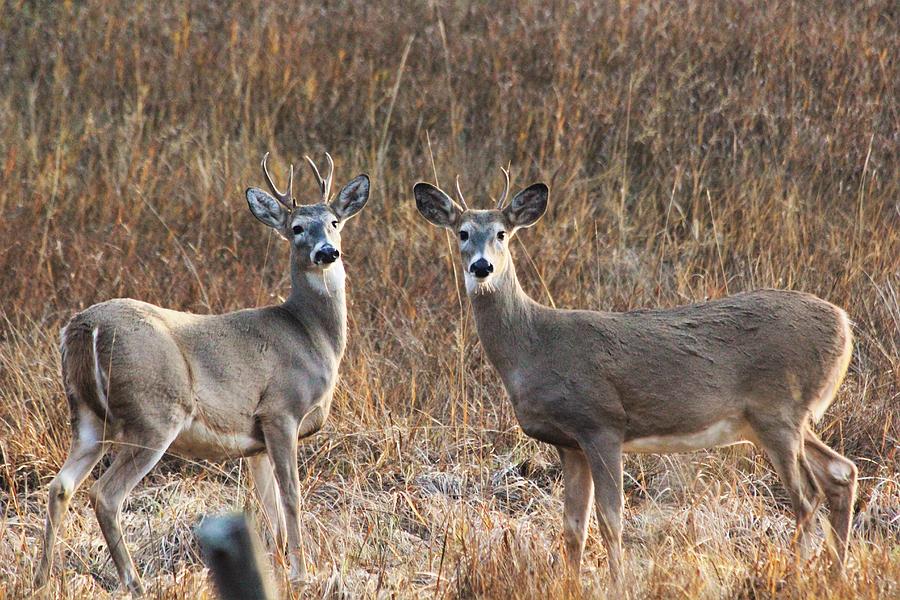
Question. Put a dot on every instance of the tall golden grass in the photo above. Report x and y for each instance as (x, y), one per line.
(693, 149)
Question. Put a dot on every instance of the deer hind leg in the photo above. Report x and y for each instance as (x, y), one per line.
(836, 475)
(604, 454)
(86, 450)
(784, 446)
(132, 462)
(578, 490)
(263, 475)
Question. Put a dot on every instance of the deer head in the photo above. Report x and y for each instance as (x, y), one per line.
(483, 235)
(314, 230)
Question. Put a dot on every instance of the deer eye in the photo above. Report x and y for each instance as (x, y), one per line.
(501, 235)
(297, 229)
(334, 224)
(463, 235)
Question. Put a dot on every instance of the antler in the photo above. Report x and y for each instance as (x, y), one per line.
(279, 195)
(505, 190)
(459, 193)
(324, 184)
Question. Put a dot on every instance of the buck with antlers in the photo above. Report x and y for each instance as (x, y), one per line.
(753, 367)
(147, 380)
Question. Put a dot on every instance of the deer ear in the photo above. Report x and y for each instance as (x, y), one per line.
(267, 209)
(352, 198)
(528, 206)
(436, 206)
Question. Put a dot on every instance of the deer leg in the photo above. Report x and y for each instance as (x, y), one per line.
(108, 494)
(836, 475)
(263, 476)
(281, 444)
(86, 450)
(604, 454)
(578, 490)
(785, 449)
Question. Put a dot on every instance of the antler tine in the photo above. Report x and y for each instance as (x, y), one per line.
(328, 178)
(319, 180)
(460, 194)
(505, 189)
(279, 195)
(291, 187)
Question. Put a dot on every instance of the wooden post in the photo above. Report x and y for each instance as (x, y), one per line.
(231, 550)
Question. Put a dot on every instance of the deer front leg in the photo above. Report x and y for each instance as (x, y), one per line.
(604, 454)
(263, 475)
(578, 491)
(281, 446)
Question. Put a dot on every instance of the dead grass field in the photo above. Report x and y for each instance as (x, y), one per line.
(693, 149)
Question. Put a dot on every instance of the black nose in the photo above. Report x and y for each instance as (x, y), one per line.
(481, 268)
(327, 255)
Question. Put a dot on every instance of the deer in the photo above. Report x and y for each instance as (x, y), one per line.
(755, 367)
(147, 380)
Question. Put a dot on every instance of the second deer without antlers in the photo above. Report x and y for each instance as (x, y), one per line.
(754, 367)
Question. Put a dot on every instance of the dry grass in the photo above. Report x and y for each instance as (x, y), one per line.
(693, 149)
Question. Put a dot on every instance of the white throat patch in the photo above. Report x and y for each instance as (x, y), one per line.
(328, 281)
(475, 287)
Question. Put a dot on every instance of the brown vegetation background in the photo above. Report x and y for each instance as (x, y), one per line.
(693, 149)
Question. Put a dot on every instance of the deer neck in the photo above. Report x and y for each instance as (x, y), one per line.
(505, 318)
(318, 301)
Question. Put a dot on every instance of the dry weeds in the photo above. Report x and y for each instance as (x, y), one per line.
(693, 149)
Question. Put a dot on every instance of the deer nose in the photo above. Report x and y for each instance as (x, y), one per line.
(327, 255)
(481, 268)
